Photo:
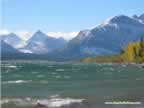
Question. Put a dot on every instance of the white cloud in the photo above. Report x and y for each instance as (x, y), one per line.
(65, 35)
(25, 35)
(4, 32)
(21, 33)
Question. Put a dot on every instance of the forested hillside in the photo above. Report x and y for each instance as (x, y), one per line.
(133, 53)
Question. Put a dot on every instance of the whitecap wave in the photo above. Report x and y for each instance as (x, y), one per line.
(10, 66)
(58, 102)
(17, 81)
(52, 102)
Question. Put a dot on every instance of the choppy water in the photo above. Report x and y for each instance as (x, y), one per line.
(70, 85)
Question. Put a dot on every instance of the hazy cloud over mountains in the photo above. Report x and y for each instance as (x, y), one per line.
(25, 35)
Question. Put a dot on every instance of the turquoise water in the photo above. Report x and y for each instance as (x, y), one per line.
(70, 85)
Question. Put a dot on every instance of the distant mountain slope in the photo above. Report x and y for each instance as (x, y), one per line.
(105, 39)
(12, 39)
(134, 53)
(7, 52)
(139, 18)
(142, 17)
(6, 48)
(108, 38)
(40, 43)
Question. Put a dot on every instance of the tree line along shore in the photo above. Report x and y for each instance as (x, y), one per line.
(133, 53)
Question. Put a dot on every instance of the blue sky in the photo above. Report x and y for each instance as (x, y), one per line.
(63, 15)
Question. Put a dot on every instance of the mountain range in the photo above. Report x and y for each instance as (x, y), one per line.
(110, 37)
(107, 38)
(40, 43)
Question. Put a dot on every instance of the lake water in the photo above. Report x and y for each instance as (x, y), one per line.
(70, 85)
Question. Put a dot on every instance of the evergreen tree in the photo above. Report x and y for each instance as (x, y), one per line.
(142, 42)
(135, 52)
(141, 50)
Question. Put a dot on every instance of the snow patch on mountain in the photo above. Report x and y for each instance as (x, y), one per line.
(40, 43)
(109, 37)
(13, 40)
(25, 51)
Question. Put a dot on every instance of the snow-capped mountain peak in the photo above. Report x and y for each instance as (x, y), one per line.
(38, 36)
(41, 43)
(109, 37)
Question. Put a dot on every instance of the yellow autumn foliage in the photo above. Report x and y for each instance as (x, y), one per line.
(133, 53)
(129, 52)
